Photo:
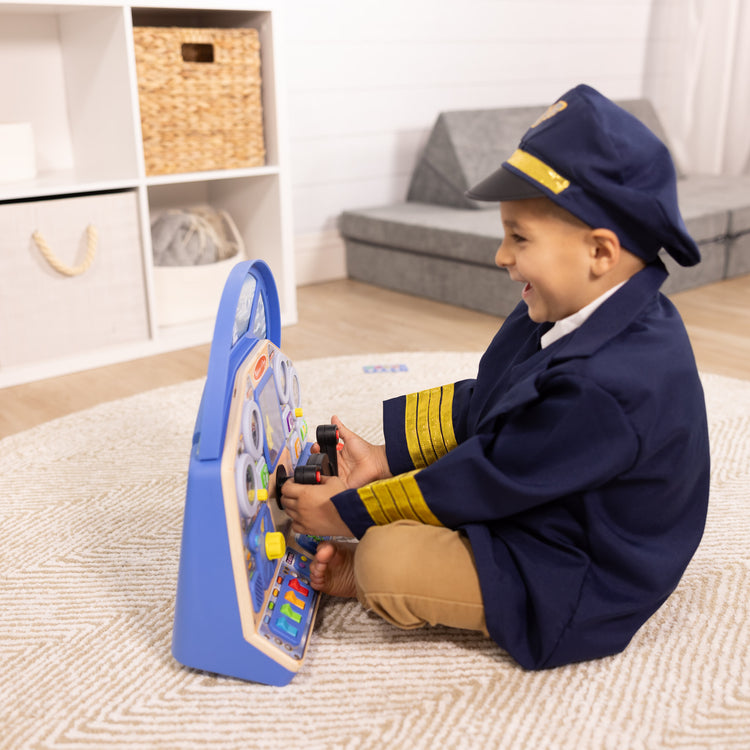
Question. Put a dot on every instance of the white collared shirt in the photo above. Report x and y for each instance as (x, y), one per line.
(567, 325)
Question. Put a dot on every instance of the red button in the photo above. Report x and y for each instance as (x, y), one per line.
(298, 587)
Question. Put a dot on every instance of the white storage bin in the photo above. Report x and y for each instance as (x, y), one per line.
(46, 314)
(187, 289)
(189, 294)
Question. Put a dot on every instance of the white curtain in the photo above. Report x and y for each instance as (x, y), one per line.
(697, 74)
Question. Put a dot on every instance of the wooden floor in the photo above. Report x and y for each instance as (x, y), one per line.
(347, 317)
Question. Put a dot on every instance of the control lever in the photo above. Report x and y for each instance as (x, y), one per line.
(327, 436)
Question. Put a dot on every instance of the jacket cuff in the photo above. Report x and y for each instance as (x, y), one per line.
(396, 448)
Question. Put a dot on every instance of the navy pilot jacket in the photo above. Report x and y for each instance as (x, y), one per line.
(579, 472)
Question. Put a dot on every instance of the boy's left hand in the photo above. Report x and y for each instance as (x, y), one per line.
(310, 507)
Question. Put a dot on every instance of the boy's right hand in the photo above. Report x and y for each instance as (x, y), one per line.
(359, 462)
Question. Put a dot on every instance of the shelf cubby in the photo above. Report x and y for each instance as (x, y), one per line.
(71, 73)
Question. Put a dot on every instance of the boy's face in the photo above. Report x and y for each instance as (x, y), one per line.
(550, 252)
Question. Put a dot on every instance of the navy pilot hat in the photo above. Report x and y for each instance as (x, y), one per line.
(603, 165)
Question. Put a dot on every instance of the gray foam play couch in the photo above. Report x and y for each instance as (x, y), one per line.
(440, 244)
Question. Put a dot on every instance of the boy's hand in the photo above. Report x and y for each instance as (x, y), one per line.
(359, 462)
(310, 507)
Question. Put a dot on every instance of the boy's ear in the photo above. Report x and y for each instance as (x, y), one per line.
(605, 251)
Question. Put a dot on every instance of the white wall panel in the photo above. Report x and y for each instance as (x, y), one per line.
(367, 78)
(378, 65)
(354, 157)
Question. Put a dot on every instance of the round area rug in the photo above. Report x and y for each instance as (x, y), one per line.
(91, 513)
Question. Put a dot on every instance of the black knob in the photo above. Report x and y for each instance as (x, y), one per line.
(281, 477)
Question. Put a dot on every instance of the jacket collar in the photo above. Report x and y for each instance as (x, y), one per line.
(613, 316)
(608, 321)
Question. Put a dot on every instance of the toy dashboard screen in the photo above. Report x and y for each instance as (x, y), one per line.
(268, 402)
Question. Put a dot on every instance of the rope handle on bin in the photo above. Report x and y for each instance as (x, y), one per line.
(92, 237)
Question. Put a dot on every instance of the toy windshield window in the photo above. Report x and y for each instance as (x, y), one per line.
(244, 309)
(259, 321)
(244, 318)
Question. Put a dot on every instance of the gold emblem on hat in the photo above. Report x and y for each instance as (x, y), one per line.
(535, 168)
(552, 110)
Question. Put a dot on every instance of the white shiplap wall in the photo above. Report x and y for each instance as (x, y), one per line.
(367, 78)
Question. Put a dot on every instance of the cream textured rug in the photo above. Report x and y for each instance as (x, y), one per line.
(91, 512)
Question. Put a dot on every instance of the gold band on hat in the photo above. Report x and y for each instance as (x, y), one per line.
(538, 171)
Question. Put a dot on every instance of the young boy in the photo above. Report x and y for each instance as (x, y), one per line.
(554, 501)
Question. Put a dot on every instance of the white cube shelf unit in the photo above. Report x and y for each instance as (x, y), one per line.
(69, 70)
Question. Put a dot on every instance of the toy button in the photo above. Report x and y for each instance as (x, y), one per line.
(285, 626)
(298, 587)
(290, 613)
(294, 600)
(275, 545)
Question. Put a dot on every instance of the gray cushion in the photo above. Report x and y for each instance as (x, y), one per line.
(711, 268)
(706, 194)
(474, 236)
(460, 234)
(488, 289)
(463, 148)
(738, 256)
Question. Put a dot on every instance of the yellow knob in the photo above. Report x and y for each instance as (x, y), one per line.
(298, 412)
(262, 495)
(275, 545)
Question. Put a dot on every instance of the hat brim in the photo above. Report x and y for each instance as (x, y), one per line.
(504, 185)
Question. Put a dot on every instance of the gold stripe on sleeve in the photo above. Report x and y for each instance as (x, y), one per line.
(428, 425)
(397, 498)
(423, 425)
(419, 507)
(372, 506)
(410, 428)
(436, 430)
(382, 493)
(446, 418)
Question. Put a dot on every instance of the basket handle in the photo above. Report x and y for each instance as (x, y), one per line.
(92, 237)
(234, 231)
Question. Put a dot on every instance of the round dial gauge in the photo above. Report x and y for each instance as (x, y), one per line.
(295, 389)
(252, 429)
(282, 376)
(246, 485)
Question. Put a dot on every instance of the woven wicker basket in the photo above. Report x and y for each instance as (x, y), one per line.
(199, 115)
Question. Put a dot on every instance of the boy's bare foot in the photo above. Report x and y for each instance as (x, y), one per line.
(332, 570)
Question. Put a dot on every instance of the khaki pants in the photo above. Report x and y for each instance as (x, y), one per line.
(412, 574)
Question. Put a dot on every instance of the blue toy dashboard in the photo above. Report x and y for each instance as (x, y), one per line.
(244, 605)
